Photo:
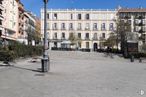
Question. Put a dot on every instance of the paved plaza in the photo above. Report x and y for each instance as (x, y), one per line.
(74, 74)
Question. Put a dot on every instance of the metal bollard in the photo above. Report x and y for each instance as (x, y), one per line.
(140, 60)
(132, 58)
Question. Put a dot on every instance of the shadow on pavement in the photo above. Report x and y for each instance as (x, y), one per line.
(38, 70)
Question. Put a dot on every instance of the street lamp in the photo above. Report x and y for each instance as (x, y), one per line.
(45, 59)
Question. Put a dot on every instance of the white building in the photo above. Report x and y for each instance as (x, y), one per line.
(90, 27)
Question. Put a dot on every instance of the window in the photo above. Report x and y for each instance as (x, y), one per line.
(0, 33)
(95, 26)
(87, 36)
(87, 45)
(55, 35)
(0, 1)
(63, 35)
(47, 26)
(71, 16)
(79, 44)
(55, 16)
(79, 17)
(48, 16)
(55, 26)
(79, 26)
(87, 26)
(63, 26)
(87, 17)
(55, 44)
(111, 27)
(103, 35)
(95, 36)
(0, 11)
(79, 35)
(71, 26)
(103, 26)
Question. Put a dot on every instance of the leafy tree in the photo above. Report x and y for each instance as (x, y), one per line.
(111, 41)
(123, 27)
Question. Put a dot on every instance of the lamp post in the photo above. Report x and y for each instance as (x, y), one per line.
(45, 59)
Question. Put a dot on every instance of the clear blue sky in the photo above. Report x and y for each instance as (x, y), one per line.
(36, 5)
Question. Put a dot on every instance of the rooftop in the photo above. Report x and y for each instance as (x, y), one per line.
(132, 10)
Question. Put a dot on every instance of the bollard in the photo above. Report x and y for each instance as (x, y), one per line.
(140, 60)
(132, 58)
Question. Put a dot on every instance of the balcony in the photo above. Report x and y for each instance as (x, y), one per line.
(144, 28)
(87, 28)
(55, 29)
(137, 21)
(79, 29)
(95, 38)
(55, 38)
(139, 17)
(86, 38)
(95, 29)
(103, 29)
(63, 38)
(63, 28)
(144, 21)
(137, 28)
(71, 28)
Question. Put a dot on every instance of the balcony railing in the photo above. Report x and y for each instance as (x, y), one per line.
(79, 29)
(63, 28)
(95, 38)
(87, 28)
(87, 38)
(95, 29)
(55, 29)
(71, 28)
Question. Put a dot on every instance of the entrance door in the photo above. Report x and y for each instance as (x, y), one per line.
(95, 46)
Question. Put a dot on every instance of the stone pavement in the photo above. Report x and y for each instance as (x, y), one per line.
(74, 74)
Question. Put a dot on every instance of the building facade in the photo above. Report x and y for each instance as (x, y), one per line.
(29, 28)
(136, 17)
(1, 17)
(10, 22)
(78, 28)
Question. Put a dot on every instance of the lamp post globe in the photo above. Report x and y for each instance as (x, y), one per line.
(45, 1)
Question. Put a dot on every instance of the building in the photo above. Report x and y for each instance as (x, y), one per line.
(136, 17)
(21, 35)
(29, 28)
(78, 28)
(10, 21)
(1, 17)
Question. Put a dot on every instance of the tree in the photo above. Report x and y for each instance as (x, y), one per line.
(74, 39)
(111, 41)
(123, 27)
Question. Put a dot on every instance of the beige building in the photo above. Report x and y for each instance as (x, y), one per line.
(10, 23)
(88, 27)
(1, 16)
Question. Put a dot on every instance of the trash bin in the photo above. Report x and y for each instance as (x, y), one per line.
(45, 64)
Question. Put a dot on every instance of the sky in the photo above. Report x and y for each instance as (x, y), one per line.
(36, 5)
